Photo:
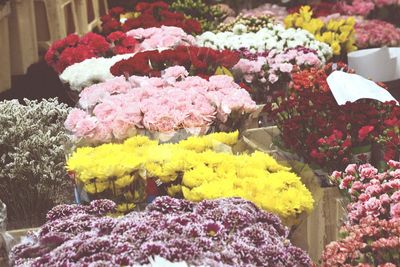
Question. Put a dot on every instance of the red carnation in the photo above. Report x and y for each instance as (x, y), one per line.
(364, 131)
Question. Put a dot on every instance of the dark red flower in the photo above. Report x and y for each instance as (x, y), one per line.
(364, 132)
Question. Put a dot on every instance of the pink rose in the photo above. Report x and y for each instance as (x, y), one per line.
(74, 116)
(373, 190)
(86, 127)
(351, 169)
(345, 183)
(385, 199)
(363, 197)
(396, 196)
(336, 175)
(357, 186)
(368, 172)
(373, 205)
(105, 112)
(175, 73)
(395, 210)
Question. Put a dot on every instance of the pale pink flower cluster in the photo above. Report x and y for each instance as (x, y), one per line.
(276, 64)
(161, 38)
(376, 33)
(276, 11)
(373, 194)
(364, 7)
(251, 69)
(117, 109)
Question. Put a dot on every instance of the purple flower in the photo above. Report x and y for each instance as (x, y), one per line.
(229, 231)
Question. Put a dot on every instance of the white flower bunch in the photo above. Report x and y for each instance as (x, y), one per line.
(32, 159)
(271, 37)
(90, 71)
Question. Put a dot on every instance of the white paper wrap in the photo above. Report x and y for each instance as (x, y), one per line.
(351, 87)
(378, 64)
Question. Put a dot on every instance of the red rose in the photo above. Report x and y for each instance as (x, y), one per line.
(364, 131)
(96, 42)
(71, 40)
(115, 36)
(192, 26)
(116, 11)
(228, 58)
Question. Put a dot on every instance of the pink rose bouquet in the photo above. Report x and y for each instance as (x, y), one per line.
(265, 72)
(372, 242)
(276, 11)
(376, 33)
(119, 108)
(159, 38)
(372, 231)
(373, 194)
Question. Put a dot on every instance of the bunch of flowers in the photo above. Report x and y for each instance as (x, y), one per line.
(199, 61)
(372, 235)
(246, 23)
(364, 7)
(314, 126)
(271, 71)
(192, 169)
(339, 34)
(32, 174)
(161, 38)
(376, 33)
(118, 108)
(148, 15)
(208, 15)
(216, 232)
(268, 9)
(74, 49)
(321, 9)
(84, 74)
(390, 137)
(372, 242)
(372, 193)
(273, 37)
(90, 71)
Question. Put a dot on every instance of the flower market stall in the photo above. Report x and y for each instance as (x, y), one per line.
(209, 133)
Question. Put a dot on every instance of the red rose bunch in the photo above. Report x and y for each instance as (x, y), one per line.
(149, 15)
(314, 126)
(74, 49)
(200, 61)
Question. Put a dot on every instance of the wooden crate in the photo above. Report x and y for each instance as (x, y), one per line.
(5, 64)
(23, 41)
(55, 19)
(322, 226)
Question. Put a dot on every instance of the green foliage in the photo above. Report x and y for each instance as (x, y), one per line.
(251, 23)
(208, 15)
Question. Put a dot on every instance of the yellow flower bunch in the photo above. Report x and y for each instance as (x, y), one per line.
(256, 177)
(198, 168)
(338, 33)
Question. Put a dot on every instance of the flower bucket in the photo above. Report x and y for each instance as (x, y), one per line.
(129, 196)
(362, 154)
